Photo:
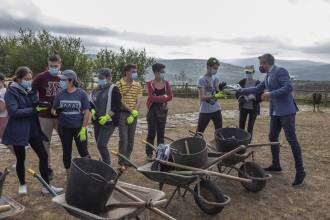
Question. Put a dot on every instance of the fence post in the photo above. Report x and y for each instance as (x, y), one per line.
(186, 89)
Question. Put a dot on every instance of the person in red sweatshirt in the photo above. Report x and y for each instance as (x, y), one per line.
(159, 93)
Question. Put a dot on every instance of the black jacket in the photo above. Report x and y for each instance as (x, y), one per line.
(256, 103)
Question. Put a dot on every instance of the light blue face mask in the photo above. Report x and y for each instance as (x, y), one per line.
(135, 76)
(26, 84)
(214, 71)
(53, 71)
(102, 82)
(63, 84)
(162, 76)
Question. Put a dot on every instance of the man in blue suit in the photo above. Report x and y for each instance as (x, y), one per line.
(277, 88)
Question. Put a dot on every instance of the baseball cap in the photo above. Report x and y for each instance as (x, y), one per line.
(105, 72)
(249, 68)
(69, 74)
(213, 61)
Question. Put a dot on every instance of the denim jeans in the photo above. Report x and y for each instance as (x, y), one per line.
(102, 135)
(288, 123)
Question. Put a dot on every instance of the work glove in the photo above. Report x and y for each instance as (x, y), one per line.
(93, 114)
(83, 134)
(104, 119)
(130, 119)
(219, 95)
(251, 97)
(41, 108)
(222, 85)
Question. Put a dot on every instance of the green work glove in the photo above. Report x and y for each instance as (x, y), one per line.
(104, 119)
(40, 108)
(135, 113)
(83, 134)
(219, 95)
(130, 119)
(93, 114)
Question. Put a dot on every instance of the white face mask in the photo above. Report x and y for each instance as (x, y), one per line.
(213, 71)
(249, 75)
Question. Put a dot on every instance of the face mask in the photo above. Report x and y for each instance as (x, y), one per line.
(214, 71)
(135, 76)
(262, 69)
(63, 84)
(162, 76)
(102, 82)
(53, 71)
(26, 84)
(249, 75)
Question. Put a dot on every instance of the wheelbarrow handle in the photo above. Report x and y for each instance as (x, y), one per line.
(116, 153)
(4, 208)
(149, 144)
(157, 211)
(206, 171)
(263, 144)
(226, 155)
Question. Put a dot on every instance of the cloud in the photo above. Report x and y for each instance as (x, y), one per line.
(10, 22)
(319, 48)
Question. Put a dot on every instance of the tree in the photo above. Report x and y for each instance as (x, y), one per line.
(116, 61)
(33, 49)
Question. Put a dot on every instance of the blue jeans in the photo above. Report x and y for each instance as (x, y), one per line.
(288, 123)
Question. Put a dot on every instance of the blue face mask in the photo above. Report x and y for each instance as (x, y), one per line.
(102, 82)
(162, 76)
(135, 76)
(63, 84)
(26, 84)
(214, 71)
(53, 71)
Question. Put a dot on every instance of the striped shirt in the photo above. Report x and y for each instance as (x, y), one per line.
(130, 92)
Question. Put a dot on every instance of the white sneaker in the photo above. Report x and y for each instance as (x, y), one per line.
(57, 190)
(22, 190)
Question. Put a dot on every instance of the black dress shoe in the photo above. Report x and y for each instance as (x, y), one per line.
(299, 180)
(273, 169)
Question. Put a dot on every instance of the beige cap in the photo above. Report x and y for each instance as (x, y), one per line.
(249, 68)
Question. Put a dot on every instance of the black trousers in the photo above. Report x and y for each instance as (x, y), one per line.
(39, 149)
(67, 135)
(243, 116)
(156, 126)
(205, 118)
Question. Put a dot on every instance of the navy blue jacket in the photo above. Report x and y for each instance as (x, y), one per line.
(279, 84)
(23, 122)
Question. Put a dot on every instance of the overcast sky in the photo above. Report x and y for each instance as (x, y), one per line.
(290, 29)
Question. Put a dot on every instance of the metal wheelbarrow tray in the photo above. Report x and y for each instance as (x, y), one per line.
(144, 193)
(15, 207)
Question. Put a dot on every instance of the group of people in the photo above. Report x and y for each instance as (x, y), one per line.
(31, 109)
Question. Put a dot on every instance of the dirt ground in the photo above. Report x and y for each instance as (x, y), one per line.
(277, 201)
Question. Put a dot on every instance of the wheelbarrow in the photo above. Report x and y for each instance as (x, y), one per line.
(8, 206)
(231, 139)
(127, 201)
(207, 195)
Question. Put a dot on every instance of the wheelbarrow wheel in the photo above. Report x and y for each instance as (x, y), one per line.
(252, 169)
(211, 192)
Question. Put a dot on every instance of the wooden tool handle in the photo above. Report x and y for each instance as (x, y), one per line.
(4, 208)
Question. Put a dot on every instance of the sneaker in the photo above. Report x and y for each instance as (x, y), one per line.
(50, 173)
(56, 190)
(299, 179)
(273, 169)
(149, 158)
(22, 190)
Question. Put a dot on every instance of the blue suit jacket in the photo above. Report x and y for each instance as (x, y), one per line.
(279, 84)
